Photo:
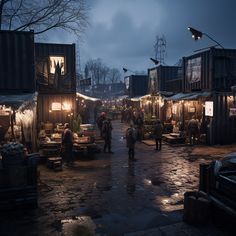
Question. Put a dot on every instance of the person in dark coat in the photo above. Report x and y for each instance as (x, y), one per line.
(158, 130)
(139, 126)
(193, 130)
(67, 144)
(130, 142)
(99, 121)
(107, 134)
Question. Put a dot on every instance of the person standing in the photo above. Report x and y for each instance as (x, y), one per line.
(193, 130)
(107, 134)
(67, 144)
(158, 130)
(130, 142)
(139, 124)
(99, 121)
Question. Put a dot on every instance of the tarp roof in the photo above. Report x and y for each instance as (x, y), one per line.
(87, 97)
(161, 93)
(188, 96)
(18, 101)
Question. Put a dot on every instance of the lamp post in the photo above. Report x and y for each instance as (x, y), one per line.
(196, 35)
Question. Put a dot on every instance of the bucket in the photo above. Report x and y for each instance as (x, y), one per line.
(196, 208)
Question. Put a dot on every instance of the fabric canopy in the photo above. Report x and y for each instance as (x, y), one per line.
(18, 101)
(87, 97)
(188, 96)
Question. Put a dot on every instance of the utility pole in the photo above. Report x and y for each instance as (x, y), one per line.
(160, 49)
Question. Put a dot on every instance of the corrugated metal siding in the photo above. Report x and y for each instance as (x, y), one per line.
(164, 76)
(174, 86)
(218, 70)
(44, 50)
(44, 105)
(224, 69)
(138, 85)
(17, 72)
(224, 126)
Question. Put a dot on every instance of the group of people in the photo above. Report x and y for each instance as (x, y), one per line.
(133, 133)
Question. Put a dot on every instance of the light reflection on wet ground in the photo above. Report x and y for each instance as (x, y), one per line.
(119, 196)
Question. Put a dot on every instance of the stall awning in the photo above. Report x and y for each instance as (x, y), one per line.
(18, 101)
(161, 93)
(87, 97)
(188, 96)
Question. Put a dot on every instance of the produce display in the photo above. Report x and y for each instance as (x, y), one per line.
(12, 148)
(12, 154)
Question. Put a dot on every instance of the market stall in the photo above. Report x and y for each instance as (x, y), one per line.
(88, 107)
(18, 119)
(179, 110)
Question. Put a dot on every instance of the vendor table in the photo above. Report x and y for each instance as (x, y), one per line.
(173, 138)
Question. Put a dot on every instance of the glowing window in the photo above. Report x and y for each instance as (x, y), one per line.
(57, 63)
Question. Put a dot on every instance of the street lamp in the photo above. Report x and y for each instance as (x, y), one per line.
(154, 61)
(196, 35)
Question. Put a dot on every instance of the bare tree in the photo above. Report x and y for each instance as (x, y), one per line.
(114, 75)
(94, 69)
(44, 15)
(104, 73)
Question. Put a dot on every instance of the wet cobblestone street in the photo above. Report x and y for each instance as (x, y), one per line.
(119, 197)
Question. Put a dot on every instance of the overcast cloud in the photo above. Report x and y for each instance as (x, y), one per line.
(122, 32)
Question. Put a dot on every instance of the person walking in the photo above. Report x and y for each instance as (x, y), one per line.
(130, 142)
(193, 130)
(67, 144)
(107, 134)
(158, 129)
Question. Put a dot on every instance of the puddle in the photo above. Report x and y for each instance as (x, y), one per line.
(82, 226)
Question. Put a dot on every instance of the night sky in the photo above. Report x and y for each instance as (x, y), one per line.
(122, 33)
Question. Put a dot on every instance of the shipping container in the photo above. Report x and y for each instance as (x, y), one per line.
(136, 85)
(17, 73)
(55, 68)
(164, 78)
(224, 118)
(56, 108)
(210, 70)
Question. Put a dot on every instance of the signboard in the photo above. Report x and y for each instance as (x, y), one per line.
(193, 70)
(85, 82)
(232, 111)
(209, 108)
(153, 81)
(127, 79)
(56, 106)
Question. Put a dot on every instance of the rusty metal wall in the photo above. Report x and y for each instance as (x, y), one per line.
(218, 70)
(17, 72)
(42, 53)
(44, 106)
